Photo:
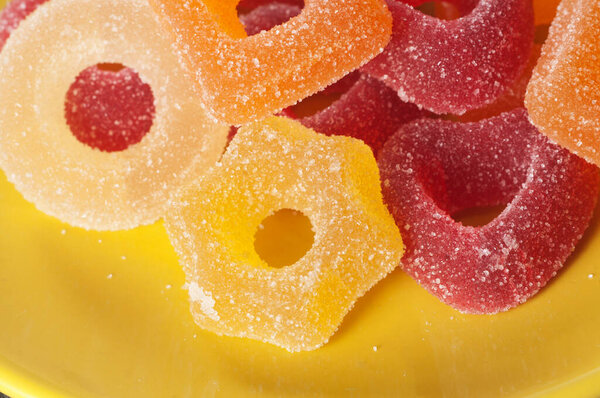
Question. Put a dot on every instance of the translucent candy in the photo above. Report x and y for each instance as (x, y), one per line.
(268, 16)
(249, 5)
(455, 66)
(109, 109)
(12, 15)
(273, 165)
(70, 180)
(512, 98)
(105, 110)
(563, 97)
(248, 78)
(369, 111)
(432, 169)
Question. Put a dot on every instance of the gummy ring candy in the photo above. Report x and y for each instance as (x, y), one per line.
(12, 15)
(459, 65)
(432, 168)
(369, 111)
(106, 108)
(562, 97)
(334, 182)
(248, 78)
(512, 98)
(40, 155)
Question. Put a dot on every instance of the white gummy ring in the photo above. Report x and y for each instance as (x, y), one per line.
(48, 165)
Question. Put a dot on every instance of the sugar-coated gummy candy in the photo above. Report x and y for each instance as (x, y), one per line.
(512, 98)
(248, 78)
(272, 165)
(249, 5)
(563, 98)
(66, 178)
(12, 15)
(432, 169)
(105, 110)
(459, 65)
(267, 16)
(109, 108)
(369, 111)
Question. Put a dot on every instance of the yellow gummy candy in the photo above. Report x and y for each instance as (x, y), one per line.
(273, 165)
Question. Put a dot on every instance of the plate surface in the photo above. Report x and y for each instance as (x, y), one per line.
(87, 314)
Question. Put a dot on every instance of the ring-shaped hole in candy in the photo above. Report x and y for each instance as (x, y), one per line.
(443, 10)
(541, 33)
(108, 107)
(478, 216)
(323, 99)
(283, 238)
(260, 15)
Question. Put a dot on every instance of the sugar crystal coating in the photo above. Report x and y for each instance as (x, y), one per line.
(369, 111)
(267, 16)
(249, 78)
(563, 97)
(432, 169)
(272, 165)
(459, 65)
(109, 109)
(12, 15)
(512, 98)
(249, 5)
(40, 155)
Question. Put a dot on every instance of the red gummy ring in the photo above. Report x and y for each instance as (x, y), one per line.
(432, 168)
(369, 111)
(459, 65)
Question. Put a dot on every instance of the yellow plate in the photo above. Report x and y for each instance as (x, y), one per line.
(86, 314)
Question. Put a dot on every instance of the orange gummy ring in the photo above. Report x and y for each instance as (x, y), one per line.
(244, 79)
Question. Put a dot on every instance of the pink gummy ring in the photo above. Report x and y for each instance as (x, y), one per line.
(458, 65)
(432, 169)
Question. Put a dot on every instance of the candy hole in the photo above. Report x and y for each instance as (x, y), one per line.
(111, 67)
(440, 9)
(541, 33)
(283, 238)
(322, 100)
(478, 216)
(314, 104)
(108, 107)
(259, 15)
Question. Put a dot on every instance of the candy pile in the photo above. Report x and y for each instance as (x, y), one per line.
(117, 113)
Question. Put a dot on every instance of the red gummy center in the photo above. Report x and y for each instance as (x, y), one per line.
(109, 107)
